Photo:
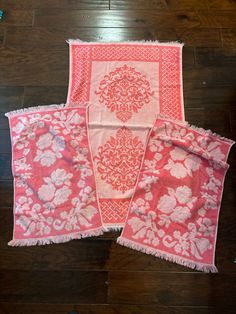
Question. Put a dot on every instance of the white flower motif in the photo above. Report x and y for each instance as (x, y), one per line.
(18, 128)
(140, 206)
(61, 195)
(166, 204)
(178, 154)
(177, 169)
(155, 145)
(192, 162)
(180, 214)
(46, 192)
(60, 176)
(183, 194)
(171, 205)
(46, 158)
(49, 146)
(44, 141)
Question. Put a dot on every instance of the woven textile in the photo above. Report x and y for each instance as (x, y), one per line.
(175, 208)
(54, 188)
(128, 84)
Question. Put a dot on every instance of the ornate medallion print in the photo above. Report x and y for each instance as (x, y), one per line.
(119, 159)
(124, 91)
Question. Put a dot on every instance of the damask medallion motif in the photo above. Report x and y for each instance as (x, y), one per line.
(124, 91)
(118, 160)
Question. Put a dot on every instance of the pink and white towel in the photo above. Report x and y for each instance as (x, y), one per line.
(54, 187)
(175, 208)
(128, 84)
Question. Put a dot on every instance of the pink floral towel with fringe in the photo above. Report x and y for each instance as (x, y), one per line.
(54, 187)
(128, 84)
(175, 208)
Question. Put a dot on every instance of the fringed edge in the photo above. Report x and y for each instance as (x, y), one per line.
(114, 229)
(34, 109)
(195, 128)
(149, 42)
(56, 239)
(167, 257)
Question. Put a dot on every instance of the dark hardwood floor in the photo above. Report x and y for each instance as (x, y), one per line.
(97, 276)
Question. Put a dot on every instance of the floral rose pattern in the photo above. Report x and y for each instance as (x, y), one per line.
(55, 193)
(174, 211)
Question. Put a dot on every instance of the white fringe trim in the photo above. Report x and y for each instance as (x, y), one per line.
(46, 108)
(114, 228)
(56, 239)
(168, 257)
(139, 42)
(195, 128)
(34, 109)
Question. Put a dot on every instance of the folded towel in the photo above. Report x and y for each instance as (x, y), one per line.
(175, 208)
(54, 188)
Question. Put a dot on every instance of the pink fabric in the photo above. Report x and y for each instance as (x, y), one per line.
(54, 188)
(175, 208)
(128, 84)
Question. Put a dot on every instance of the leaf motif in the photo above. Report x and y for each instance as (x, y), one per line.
(88, 212)
(83, 221)
(136, 223)
(194, 250)
(140, 234)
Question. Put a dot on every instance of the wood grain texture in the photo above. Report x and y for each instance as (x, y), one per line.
(95, 275)
(26, 308)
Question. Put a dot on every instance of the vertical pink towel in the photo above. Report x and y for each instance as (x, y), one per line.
(54, 188)
(128, 84)
(175, 208)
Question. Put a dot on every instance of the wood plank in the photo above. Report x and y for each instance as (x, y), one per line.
(5, 167)
(215, 57)
(221, 5)
(29, 308)
(200, 37)
(6, 193)
(186, 289)
(62, 4)
(209, 77)
(44, 95)
(229, 38)
(10, 97)
(131, 18)
(225, 19)
(19, 67)
(53, 286)
(5, 142)
(75, 255)
(2, 35)
(138, 5)
(17, 17)
(187, 4)
(202, 97)
(41, 37)
(50, 37)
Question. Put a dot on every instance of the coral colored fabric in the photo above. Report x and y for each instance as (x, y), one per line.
(175, 208)
(54, 188)
(128, 84)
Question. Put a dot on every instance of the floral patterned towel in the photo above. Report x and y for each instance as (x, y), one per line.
(54, 188)
(128, 85)
(175, 208)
